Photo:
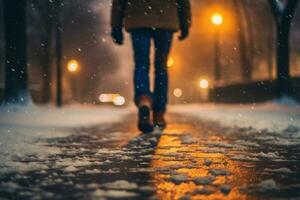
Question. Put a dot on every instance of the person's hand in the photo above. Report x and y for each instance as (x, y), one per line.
(184, 33)
(117, 35)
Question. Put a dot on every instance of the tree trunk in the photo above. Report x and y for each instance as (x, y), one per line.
(283, 58)
(16, 86)
(270, 54)
(46, 60)
(271, 49)
(250, 39)
(217, 55)
(283, 19)
(2, 49)
(246, 70)
(58, 53)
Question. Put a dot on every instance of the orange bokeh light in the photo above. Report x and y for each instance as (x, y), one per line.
(217, 19)
(73, 66)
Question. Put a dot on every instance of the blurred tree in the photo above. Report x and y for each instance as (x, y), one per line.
(45, 34)
(2, 50)
(250, 33)
(270, 53)
(87, 39)
(16, 86)
(283, 12)
(40, 30)
(58, 51)
(245, 36)
(263, 46)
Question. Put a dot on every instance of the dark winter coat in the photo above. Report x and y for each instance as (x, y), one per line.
(164, 14)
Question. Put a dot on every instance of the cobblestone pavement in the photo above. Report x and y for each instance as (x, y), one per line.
(192, 159)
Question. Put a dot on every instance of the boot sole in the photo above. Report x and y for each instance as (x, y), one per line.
(144, 117)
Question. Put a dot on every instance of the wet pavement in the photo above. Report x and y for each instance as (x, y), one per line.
(192, 159)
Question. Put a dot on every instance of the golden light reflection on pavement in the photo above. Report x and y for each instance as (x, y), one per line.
(179, 153)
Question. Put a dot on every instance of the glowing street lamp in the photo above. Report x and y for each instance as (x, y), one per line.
(177, 92)
(203, 84)
(73, 66)
(119, 101)
(217, 21)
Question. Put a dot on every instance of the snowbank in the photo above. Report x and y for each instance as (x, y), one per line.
(278, 116)
(21, 129)
(66, 117)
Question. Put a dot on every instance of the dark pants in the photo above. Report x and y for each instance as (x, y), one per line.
(141, 40)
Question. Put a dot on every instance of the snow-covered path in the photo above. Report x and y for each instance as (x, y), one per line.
(194, 158)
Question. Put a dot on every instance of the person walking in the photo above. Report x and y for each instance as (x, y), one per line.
(148, 20)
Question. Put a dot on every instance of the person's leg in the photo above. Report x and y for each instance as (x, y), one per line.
(141, 40)
(163, 41)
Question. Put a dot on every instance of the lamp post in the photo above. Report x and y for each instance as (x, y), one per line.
(203, 84)
(217, 21)
(73, 67)
(58, 52)
(204, 89)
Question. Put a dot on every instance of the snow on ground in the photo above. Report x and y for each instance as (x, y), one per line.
(21, 129)
(113, 194)
(277, 116)
(66, 117)
(121, 184)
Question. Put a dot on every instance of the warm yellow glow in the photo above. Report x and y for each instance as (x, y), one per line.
(203, 84)
(170, 62)
(73, 66)
(177, 92)
(107, 98)
(119, 101)
(115, 99)
(172, 156)
(217, 19)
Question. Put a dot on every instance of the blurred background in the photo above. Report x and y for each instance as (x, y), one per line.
(97, 71)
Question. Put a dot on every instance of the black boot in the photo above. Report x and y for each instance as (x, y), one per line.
(144, 120)
(159, 120)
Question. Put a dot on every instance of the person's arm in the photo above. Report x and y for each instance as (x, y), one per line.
(118, 12)
(117, 18)
(185, 17)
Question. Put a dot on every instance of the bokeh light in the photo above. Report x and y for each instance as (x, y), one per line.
(217, 19)
(203, 84)
(73, 66)
(178, 92)
(119, 101)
